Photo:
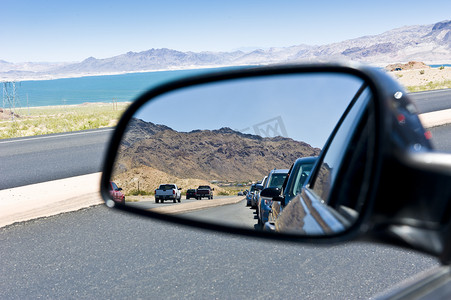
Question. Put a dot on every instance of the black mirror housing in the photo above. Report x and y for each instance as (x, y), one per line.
(271, 192)
(259, 187)
(359, 79)
(388, 138)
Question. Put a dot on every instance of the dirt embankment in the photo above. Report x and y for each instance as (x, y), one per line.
(7, 114)
(417, 76)
(411, 65)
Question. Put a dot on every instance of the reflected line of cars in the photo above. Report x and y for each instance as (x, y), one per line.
(269, 196)
(291, 187)
(275, 179)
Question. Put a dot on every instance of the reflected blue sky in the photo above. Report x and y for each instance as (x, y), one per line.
(304, 107)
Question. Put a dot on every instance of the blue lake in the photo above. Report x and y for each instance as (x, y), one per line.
(107, 88)
(438, 66)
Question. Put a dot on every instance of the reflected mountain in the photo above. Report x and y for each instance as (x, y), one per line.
(206, 155)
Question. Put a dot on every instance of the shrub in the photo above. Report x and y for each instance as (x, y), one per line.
(139, 193)
(430, 86)
(421, 72)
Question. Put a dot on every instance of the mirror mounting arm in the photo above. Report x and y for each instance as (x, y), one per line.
(414, 199)
(428, 161)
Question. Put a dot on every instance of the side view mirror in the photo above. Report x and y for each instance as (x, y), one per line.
(259, 187)
(369, 177)
(271, 192)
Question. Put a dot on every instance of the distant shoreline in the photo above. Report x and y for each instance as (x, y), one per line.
(5, 78)
(424, 77)
(96, 104)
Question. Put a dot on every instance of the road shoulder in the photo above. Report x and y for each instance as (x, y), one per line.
(49, 198)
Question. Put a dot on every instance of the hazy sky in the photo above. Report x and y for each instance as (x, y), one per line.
(55, 30)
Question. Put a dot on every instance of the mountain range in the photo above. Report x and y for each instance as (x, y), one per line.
(427, 43)
(223, 154)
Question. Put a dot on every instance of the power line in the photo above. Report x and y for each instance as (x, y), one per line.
(10, 97)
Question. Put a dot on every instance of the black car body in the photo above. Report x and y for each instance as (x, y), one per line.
(250, 194)
(191, 193)
(275, 179)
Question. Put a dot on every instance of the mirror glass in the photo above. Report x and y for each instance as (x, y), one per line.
(207, 151)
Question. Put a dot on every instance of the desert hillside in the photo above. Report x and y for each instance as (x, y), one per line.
(146, 179)
(220, 155)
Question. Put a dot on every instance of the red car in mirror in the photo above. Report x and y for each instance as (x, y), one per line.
(116, 193)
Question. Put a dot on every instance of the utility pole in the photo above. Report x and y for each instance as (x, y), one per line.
(10, 98)
(114, 104)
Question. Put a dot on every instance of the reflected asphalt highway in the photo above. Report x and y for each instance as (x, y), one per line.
(148, 202)
(237, 215)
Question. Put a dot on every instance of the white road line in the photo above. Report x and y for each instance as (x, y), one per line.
(54, 136)
(430, 92)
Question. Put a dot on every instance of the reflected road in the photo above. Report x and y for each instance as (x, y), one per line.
(237, 215)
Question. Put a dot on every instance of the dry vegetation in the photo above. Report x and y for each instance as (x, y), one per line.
(144, 180)
(55, 119)
(416, 77)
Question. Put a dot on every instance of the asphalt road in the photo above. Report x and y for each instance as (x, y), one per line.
(432, 100)
(441, 138)
(49, 157)
(99, 253)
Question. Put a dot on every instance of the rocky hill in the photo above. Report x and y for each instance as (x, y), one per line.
(427, 43)
(411, 65)
(224, 154)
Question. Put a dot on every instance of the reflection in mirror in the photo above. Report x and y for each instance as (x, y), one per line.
(206, 152)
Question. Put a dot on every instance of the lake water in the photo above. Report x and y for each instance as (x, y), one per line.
(107, 88)
(438, 66)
